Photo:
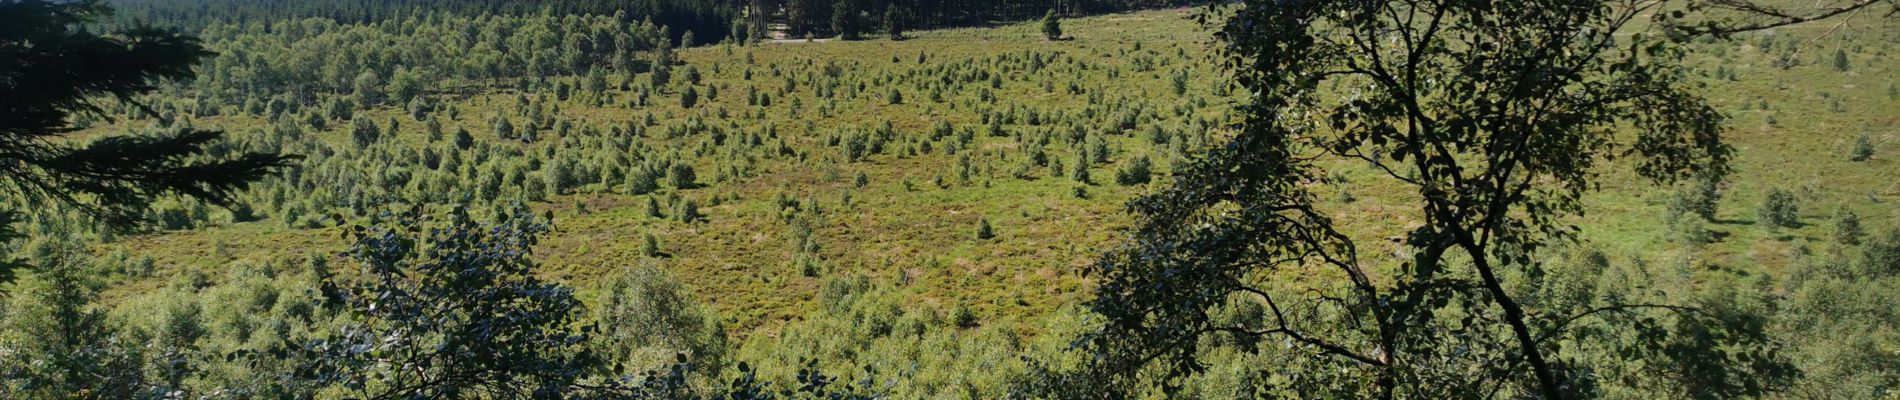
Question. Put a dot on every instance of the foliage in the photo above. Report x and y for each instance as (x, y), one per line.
(59, 70)
(1051, 26)
(9, 266)
(844, 19)
(1847, 229)
(1137, 172)
(708, 20)
(54, 345)
(1496, 116)
(1863, 149)
(1882, 255)
(997, 116)
(1780, 209)
(1705, 196)
(653, 319)
(451, 309)
(893, 23)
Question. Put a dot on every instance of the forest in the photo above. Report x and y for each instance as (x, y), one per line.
(844, 199)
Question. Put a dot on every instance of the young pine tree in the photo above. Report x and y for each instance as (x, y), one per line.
(1780, 210)
(1863, 149)
(1051, 26)
(58, 344)
(689, 98)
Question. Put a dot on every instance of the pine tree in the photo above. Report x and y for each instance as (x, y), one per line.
(463, 140)
(893, 23)
(844, 19)
(59, 345)
(1051, 26)
(681, 176)
(505, 129)
(365, 133)
(688, 211)
(1863, 149)
(650, 245)
(74, 70)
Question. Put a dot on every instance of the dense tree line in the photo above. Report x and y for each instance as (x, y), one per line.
(709, 20)
(827, 17)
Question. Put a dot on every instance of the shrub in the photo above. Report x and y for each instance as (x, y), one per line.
(365, 133)
(463, 140)
(653, 208)
(1882, 255)
(1136, 172)
(681, 176)
(688, 211)
(641, 181)
(647, 317)
(1691, 231)
(1081, 173)
(1051, 26)
(536, 188)
(963, 317)
(1863, 149)
(856, 146)
(1780, 210)
(808, 267)
(649, 245)
(505, 129)
(983, 230)
(1704, 198)
(1847, 229)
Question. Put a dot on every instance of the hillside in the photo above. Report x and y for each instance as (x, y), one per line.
(802, 191)
(917, 212)
(744, 256)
